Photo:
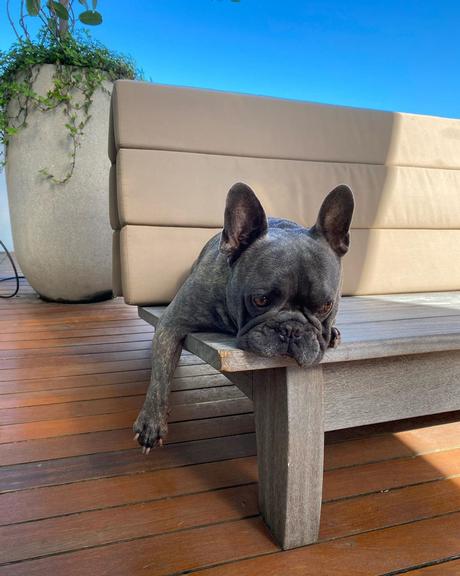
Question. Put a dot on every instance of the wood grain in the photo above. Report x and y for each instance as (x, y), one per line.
(378, 390)
(76, 497)
(116, 440)
(378, 552)
(124, 419)
(389, 507)
(410, 332)
(288, 405)
(57, 411)
(447, 568)
(44, 537)
(386, 462)
(158, 555)
(105, 465)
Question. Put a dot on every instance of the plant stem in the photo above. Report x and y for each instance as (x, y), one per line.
(72, 17)
(21, 21)
(63, 24)
(11, 20)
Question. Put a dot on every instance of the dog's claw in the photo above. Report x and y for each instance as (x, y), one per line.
(335, 337)
(149, 431)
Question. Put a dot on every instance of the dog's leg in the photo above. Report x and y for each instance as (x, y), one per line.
(193, 309)
(151, 425)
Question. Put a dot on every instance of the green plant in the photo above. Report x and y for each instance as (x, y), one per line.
(58, 18)
(81, 67)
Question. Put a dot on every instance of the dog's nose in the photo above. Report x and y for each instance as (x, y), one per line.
(290, 331)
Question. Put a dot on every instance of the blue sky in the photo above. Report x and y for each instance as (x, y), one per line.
(392, 55)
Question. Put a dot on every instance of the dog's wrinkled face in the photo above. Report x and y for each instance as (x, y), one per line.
(286, 304)
(285, 280)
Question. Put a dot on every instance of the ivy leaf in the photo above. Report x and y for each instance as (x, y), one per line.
(60, 10)
(90, 17)
(33, 7)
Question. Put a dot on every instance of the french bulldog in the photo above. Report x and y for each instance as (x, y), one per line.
(273, 284)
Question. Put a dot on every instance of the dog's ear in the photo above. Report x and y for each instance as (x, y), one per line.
(334, 219)
(244, 221)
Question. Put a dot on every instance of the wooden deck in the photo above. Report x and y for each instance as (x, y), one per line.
(79, 498)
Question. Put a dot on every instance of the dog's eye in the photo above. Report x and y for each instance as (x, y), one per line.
(325, 308)
(261, 301)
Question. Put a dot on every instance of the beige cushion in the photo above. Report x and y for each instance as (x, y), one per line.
(156, 260)
(184, 189)
(428, 141)
(394, 261)
(152, 116)
(178, 150)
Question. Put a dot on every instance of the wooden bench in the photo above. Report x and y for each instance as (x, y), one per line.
(175, 153)
(399, 358)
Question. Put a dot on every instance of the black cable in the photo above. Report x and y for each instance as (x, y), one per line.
(16, 274)
(10, 278)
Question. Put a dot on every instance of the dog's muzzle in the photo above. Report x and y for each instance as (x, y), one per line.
(283, 334)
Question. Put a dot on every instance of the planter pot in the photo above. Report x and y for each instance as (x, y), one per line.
(61, 232)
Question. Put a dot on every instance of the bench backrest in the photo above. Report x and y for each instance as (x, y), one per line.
(176, 152)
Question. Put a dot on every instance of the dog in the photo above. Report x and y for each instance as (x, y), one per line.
(272, 283)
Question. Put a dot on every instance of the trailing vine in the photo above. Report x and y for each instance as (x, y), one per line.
(82, 66)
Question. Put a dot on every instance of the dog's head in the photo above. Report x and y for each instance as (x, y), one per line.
(285, 280)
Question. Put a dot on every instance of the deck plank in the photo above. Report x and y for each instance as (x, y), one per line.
(117, 420)
(56, 370)
(148, 518)
(116, 440)
(89, 529)
(378, 552)
(448, 568)
(58, 396)
(55, 391)
(76, 409)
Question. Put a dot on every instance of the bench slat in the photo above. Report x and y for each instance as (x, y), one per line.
(402, 325)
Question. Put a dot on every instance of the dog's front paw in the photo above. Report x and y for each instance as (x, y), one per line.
(150, 429)
(335, 337)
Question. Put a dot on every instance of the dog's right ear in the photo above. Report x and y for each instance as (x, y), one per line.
(244, 221)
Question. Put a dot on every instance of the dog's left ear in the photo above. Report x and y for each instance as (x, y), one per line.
(334, 219)
(244, 221)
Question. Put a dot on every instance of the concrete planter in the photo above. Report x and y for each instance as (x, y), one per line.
(61, 232)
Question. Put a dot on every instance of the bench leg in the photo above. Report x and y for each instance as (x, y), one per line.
(288, 405)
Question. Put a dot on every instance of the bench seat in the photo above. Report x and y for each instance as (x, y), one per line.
(399, 358)
(371, 327)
